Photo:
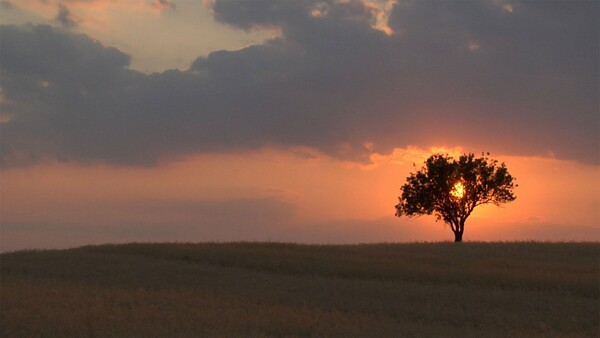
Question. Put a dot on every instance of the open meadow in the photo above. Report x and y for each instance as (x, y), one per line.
(273, 289)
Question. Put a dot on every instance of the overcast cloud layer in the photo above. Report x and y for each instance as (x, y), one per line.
(519, 79)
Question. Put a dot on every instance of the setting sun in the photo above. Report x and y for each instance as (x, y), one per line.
(458, 190)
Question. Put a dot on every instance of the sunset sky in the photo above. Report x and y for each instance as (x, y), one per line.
(296, 121)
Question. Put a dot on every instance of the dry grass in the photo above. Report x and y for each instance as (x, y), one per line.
(270, 289)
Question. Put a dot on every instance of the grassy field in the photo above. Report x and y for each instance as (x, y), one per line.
(271, 289)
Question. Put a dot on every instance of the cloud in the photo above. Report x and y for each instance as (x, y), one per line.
(6, 5)
(332, 81)
(64, 17)
(58, 88)
(161, 5)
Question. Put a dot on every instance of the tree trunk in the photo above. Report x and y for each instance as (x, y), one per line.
(457, 236)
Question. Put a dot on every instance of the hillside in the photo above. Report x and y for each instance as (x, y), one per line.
(273, 289)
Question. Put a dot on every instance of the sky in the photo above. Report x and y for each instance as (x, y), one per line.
(295, 121)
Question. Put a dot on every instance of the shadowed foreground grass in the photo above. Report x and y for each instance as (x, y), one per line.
(270, 289)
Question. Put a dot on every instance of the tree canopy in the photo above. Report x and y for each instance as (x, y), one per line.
(450, 189)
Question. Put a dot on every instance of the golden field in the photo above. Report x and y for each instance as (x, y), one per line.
(275, 289)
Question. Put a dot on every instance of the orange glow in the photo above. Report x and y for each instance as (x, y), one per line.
(458, 190)
(327, 200)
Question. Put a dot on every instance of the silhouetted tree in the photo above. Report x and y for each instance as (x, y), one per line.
(450, 189)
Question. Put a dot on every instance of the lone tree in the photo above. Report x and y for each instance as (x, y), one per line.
(450, 189)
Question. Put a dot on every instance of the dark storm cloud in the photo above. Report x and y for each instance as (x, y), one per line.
(63, 94)
(474, 73)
